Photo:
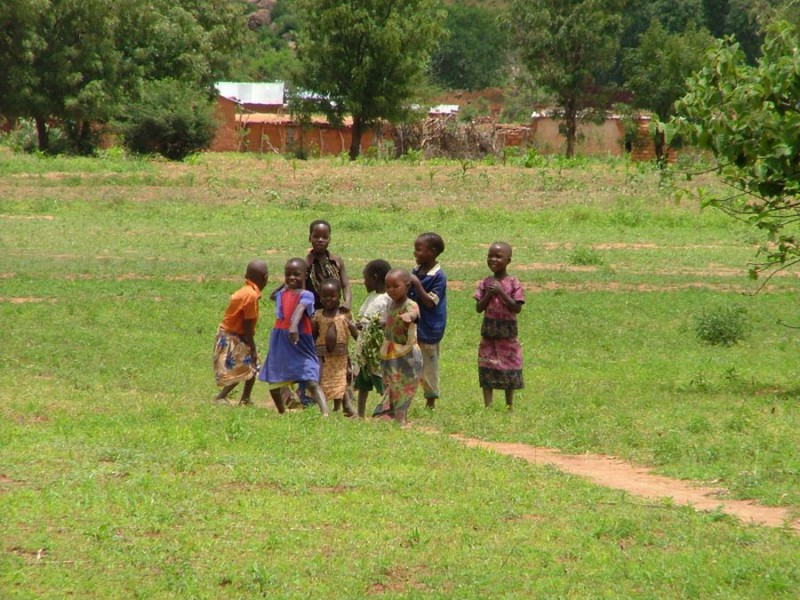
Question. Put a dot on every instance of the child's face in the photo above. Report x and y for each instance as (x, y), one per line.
(329, 297)
(295, 275)
(423, 253)
(396, 286)
(498, 258)
(320, 238)
(369, 281)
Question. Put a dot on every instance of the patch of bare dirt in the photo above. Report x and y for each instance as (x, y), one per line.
(26, 299)
(615, 286)
(639, 481)
(28, 217)
(399, 580)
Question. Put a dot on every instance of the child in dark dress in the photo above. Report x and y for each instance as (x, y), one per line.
(500, 298)
(323, 265)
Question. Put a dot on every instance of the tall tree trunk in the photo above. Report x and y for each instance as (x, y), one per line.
(355, 142)
(571, 117)
(43, 134)
(659, 144)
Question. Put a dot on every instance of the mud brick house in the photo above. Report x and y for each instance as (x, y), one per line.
(254, 118)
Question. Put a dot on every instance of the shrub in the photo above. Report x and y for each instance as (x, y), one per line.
(724, 325)
(172, 119)
(585, 257)
(24, 139)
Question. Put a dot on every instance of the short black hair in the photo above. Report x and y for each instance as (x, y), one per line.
(299, 260)
(434, 240)
(331, 281)
(378, 267)
(404, 273)
(318, 222)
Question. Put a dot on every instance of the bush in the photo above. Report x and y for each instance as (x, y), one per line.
(24, 139)
(724, 325)
(172, 119)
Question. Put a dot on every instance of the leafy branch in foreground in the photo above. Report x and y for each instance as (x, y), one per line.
(749, 118)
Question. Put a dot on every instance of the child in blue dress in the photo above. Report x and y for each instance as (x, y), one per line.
(292, 355)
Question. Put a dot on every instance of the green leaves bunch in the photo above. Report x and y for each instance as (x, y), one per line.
(173, 119)
(370, 341)
(749, 118)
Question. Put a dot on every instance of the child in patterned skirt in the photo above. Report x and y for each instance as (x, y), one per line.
(500, 298)
(400, 355)
(332, 327)
(235, 356)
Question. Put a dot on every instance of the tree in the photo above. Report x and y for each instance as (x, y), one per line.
(67, 56)
(473, 55)
(749, 118)
(172, 119)
(366, 57)
(78, 61)
(566, 46)
(656, 71)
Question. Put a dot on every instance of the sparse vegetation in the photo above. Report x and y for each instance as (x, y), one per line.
(119, 478)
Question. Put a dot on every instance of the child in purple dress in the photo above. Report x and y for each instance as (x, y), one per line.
(292, 355)
(500, 298)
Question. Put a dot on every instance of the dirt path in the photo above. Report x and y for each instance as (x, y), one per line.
(618, 474)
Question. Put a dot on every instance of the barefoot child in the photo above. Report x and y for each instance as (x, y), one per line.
(235, 356)
(429, 289)
(292, 357)
(332, 327)
(500, 298)
(323, 265)
(401, 358)
(371, 321)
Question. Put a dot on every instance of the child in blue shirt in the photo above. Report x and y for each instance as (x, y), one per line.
(429, 290)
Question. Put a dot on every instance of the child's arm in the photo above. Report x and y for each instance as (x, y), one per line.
(351, 324)
(249, 338)
(315, 327)
(422, 296)
(297, 315)
(510, 303)
(345, 280)
(274, 293)
(483, 301)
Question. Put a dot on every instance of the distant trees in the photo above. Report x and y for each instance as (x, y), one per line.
(366, 58)
(473, 56)
(567, 45)
(657, 69)
(80, 61)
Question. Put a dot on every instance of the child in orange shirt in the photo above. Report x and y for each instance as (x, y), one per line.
(235, 355)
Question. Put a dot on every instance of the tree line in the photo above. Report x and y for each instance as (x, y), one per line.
(83, 62)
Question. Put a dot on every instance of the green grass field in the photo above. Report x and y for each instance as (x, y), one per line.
(119, 478)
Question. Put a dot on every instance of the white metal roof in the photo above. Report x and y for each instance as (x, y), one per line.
(252, 93)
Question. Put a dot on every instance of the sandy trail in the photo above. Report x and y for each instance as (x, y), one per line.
(639, 481)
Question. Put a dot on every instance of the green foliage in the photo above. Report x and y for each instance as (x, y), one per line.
(366, 58)
(474, 54)
(79, 61)
(748, 117)
(172, 119)
(23, 138)
(583, 256)
(567, 47)
(723, 325)
(656, 70)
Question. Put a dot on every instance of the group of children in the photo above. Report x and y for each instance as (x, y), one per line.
(398, 331)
